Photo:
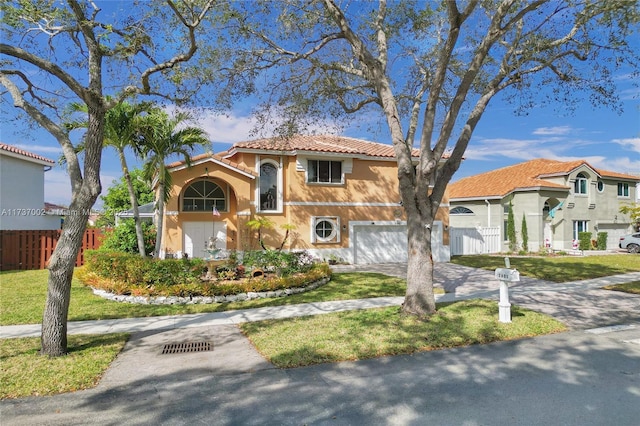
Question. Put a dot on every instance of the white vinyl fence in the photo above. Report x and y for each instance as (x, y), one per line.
(475, 240)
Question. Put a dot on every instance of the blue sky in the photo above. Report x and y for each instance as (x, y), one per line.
(602, 137)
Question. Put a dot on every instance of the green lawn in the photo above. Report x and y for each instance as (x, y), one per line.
(24, 372)
(377, 332)
(23, 294)
(559, 268)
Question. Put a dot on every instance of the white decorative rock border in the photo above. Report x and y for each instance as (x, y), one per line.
(195, 300)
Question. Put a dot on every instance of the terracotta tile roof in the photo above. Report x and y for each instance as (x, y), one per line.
(323, 144)
(215, 157)
(530, 174)
(16, 150)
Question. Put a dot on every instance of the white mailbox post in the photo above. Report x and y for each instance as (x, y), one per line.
(506, 276)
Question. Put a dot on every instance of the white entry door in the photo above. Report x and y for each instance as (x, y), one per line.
(196, 236)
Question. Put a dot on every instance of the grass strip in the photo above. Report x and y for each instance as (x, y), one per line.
(557, 268)
(23, 294)
(372, 333)
(632, 287)
(24, 372)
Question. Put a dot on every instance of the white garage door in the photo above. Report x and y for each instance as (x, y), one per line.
(197, 235)
(380, 243)
(614, 232)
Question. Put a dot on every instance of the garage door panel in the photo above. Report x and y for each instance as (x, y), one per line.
(614, 232)
(380, 244)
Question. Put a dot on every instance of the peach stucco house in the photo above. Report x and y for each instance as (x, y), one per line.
(340, 195)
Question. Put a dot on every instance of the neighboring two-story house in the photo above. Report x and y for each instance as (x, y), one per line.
(340, 195)
(22, 205)
(558, 199)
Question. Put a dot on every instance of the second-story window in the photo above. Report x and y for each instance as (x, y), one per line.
(580, 185)
(324, 171)
(623, 189)
(268, 187)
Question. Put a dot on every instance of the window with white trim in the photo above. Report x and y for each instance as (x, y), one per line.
(268, 187)
(581, 184)
(460, 210)
(324, 171)
(600, 186)
(580, 226)
(203, 196)
(325, 229)
(623, 189)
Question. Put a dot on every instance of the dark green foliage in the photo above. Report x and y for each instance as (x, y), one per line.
(602, 241)
(117, 197)
(584, 240)
(284, 263)
(122, 238)
(135, 270)
(511, 230)
(525, 234)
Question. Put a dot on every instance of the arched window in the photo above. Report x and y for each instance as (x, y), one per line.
(580, 185)
(203, 196)
(268, 187)
(460, 210)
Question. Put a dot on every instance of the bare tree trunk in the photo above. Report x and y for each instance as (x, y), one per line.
(134, 204)
(419, 299)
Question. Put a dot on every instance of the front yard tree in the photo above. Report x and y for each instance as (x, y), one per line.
(58, 53)
(431, 69)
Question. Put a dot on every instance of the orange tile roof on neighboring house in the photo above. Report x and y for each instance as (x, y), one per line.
(322, 144)
(15, 150)
(527, 175)
(214, 157)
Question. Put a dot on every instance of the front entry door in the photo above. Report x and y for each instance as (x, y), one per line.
(196, 236)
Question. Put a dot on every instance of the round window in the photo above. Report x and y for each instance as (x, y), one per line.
(325, 230)
(600, 186)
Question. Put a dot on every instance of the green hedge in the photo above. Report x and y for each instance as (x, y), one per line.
(584, 240)
(133, 269)
(602, 240)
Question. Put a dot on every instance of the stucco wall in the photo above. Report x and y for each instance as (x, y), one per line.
(22, 196)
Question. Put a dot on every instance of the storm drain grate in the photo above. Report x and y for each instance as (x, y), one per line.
(186, 347)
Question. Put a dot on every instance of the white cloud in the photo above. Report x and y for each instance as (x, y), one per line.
(556, 130)
(632, 143)
(55, 149)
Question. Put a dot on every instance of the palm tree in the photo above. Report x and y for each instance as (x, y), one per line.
(123, 124)
(163, 137)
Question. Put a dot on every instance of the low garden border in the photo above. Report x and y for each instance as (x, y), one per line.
(193, 300)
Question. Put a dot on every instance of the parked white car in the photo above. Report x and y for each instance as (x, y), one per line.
(630, 242)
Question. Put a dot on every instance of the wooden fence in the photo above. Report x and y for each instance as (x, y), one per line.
(21, 250)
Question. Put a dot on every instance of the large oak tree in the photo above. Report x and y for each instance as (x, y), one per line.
(428, 70)
(56, 53)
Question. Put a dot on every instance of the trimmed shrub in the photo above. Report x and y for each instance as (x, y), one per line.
(584, 240)
(134, 270)
(123, 238)
(602, 241)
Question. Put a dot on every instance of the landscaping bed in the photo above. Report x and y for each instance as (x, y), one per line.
(129, 278)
